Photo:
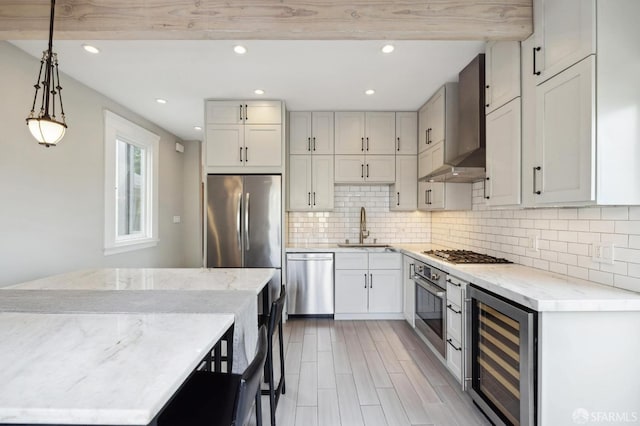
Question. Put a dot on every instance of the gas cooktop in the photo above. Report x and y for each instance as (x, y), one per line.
(464, 256)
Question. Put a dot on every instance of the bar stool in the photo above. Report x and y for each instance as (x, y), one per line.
(217, 399)
(275, 318)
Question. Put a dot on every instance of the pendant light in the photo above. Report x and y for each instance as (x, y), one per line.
(45, 126)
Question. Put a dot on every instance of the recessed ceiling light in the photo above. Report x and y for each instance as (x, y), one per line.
(369, 92)
(161, 101)
(198, 128)
(239, 49)
(388, 48)
(91, 49)
(259, 92)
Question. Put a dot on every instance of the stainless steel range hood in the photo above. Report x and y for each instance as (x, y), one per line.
(468, 157)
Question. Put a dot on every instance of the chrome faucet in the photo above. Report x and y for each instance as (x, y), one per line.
(363, 225)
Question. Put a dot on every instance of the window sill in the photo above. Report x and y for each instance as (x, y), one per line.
(130, 246)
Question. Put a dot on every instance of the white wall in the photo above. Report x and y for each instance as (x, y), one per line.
(344, 221)
(52, 199)
(565, 238)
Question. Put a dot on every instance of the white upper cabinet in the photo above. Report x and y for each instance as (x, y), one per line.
(502, 184)
(349, 136)
(249, 112)
(404, 192)
(244, 134)
(438, 124)
(565, 136)
(444, 196)
(436, 117)
(365, 133)
(365, 169)
(311, 133)
(502, 73)
(406, 133)
(431, 159)
(565, 34)
(310, 182)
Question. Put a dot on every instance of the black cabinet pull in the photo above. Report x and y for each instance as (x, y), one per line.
(362, 144)
(426, 197)
(535, 190)
(246, 110)
(241, 154)
(367, 144)
(362, 171)
(370, 280)
(365, 280)
(314, 198)
(429, 136)
(449, 341)
(308, 144)
(485, 187)
(314, 143)
(367, 171)
(398, 203)
(246, 154)
(308, 198)
(426, 137)
(535, 71)
(398, 145)
(450, 306)
(240, 112)
(454, 283)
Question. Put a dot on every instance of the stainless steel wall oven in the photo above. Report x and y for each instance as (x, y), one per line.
(431, 302)
(502, 357)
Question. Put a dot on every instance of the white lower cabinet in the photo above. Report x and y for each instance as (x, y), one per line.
(456, 290)
(408, 265)
(368, 285)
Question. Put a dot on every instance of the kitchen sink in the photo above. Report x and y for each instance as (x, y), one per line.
(363, 245)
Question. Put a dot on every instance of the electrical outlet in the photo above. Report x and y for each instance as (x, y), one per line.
(534, 243)
(177, 219)
(603, 252)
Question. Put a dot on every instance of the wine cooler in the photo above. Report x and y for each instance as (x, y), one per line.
(502, 358)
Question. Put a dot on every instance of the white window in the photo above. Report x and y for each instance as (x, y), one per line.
(131, 186)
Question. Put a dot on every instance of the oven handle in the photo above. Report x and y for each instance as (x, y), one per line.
(436, 291)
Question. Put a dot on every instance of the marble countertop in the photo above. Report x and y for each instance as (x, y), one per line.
(98, 368)
(534, 288)
(245, 279)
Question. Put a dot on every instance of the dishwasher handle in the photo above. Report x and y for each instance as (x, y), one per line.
(305, 257)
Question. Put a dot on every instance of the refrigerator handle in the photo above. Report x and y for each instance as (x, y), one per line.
(247, 228)
(238, 218)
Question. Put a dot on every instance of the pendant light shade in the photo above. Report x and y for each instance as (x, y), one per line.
(44, 125)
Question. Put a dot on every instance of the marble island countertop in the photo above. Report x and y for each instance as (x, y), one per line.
(534, 288)
(243, 279)
(98, 368)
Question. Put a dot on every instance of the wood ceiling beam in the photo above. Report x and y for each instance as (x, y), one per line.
(269, 19)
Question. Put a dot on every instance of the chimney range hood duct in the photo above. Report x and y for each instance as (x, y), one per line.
(467, 160)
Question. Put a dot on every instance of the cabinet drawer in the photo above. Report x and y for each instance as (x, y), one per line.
(454, 321)
(455, 290)
(454, 357)
(352, 260)
(385, 261)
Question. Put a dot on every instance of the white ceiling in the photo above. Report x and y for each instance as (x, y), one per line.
(307, 75)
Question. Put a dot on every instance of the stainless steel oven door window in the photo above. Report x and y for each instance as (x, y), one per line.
(431, 313)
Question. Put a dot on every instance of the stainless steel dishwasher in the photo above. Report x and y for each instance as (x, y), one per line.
(310, 284)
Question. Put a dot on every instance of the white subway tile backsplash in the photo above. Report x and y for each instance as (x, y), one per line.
(344, 221)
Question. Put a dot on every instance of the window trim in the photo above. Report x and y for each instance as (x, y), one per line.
(117, 127)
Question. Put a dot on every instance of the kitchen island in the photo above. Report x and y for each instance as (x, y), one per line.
(111, 346)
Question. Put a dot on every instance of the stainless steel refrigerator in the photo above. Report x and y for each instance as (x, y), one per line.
(244, 223)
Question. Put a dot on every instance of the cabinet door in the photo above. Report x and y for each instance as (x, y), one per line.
(380, 133)
(436, 120)
(349, 169)
(322, 191)
(300, 175)
(380, 169)
(423, 128)
(454, 357)
(409, 290)
(423, 196)
(322, 134)
(404, 193)
(351, 288)
(385, 291)
(565, 137)
(225, 112)
(503, 155)
(566, 33)
(425, 163)
(349, 133)
(299, 133)
(263, 112)
(437, 195)
(437, 155)
(263, 145)
(225, 145)
(406, 133)
(502, 73)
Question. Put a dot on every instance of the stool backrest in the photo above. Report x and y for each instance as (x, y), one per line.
(251, 380)
(276, 311)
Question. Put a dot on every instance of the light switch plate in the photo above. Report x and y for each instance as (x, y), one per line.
(177, 219)
(603, 253)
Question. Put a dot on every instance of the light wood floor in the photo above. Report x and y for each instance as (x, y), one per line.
(365, 373)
